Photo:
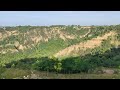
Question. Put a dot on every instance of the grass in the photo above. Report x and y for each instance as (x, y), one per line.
(19, 74)
(14, 73)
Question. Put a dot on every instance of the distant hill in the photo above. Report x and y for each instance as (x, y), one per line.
(58, 40)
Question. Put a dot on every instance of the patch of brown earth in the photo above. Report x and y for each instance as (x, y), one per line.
(16, 44)
(95, 42)
(36, 39)
(57, 32)
(21, 47)
(8, 34)
(15, 32)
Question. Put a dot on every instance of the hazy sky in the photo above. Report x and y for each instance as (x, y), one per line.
(11, 18)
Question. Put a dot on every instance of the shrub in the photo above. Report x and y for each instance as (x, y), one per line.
(45, 64)
(68, 65)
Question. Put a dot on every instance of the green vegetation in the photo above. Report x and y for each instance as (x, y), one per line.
(40, 43)
(87, 63)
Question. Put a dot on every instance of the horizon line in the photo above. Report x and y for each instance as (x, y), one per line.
(55, 25)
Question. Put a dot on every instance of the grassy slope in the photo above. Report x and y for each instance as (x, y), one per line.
(26, 33)
(44, 48)
(51, 47)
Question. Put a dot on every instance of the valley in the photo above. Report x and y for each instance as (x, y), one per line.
(60, 51)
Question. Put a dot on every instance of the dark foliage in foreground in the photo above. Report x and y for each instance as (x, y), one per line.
(110, 59)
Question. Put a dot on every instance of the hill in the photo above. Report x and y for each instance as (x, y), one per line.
(56, 42)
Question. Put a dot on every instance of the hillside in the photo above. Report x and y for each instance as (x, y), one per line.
(26, 37)
(56, 42)
(89, 44)
(53, 40)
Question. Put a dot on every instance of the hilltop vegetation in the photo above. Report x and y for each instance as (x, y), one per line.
(59, 48)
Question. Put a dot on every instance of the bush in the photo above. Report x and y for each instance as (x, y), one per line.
(68, 65)
(76, 65)
(84, 66)
(45, 64)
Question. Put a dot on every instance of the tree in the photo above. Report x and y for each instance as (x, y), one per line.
(58, 66)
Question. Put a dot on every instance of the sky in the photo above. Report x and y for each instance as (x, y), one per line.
(45, 18)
